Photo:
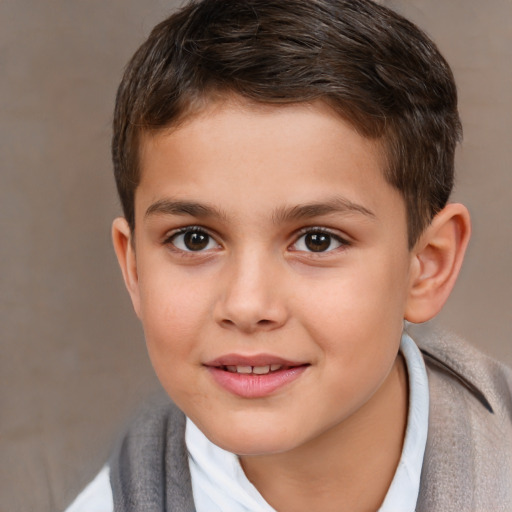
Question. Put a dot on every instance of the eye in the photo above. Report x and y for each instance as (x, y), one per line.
(318, 241)
(192, 240)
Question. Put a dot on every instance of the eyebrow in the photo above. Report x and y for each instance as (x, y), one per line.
(339, 205)
(191, 208)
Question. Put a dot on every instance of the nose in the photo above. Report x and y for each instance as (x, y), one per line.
(251, 298)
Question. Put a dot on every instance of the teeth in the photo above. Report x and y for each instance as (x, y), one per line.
(260, 370)
(257, 370)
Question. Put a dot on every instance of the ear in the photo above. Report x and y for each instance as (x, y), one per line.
(125, 252)
(437, 259)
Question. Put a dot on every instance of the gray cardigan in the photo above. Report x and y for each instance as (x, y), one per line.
(468, 457)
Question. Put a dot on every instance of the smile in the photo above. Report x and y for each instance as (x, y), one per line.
(254, 377)
(256, 370)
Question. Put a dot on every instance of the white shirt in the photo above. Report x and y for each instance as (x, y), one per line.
(96, 497)
(219, 483)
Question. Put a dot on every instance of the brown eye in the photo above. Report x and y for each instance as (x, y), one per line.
(317, 242)
(196, 241)
(193, 240)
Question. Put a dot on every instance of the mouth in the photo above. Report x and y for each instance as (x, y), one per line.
(255, 370)
(254, 377)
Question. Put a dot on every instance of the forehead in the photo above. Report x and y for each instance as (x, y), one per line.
(274, 156)
(229, 115)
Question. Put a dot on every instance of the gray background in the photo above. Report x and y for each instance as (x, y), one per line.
(73, 363)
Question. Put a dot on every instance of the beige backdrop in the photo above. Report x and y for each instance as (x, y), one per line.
(73, 363)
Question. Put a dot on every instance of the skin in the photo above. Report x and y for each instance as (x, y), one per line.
(243, 174)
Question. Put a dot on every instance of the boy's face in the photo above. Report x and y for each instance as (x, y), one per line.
(268, 237)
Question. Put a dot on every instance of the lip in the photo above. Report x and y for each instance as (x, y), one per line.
(252, 385)
(251, 360)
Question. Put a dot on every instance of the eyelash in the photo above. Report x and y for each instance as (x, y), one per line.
(171, 239)
(343, 242)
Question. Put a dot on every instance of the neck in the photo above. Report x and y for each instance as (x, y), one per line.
(348, 468)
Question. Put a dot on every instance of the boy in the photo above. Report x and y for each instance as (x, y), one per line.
(284, 168)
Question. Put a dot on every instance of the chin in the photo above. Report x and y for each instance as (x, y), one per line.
(251, 441)
(258, 445)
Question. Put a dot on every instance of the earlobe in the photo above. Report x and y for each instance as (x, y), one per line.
(437, 259)
(125, 252)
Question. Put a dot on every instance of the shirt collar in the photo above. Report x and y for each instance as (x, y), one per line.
(405, 486)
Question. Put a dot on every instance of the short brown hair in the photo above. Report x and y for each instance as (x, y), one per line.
(376, 69)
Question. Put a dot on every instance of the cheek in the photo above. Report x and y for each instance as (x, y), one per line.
(357, 314)
(357, 325)
(172, 315)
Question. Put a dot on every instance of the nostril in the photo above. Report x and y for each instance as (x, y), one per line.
(264, 324)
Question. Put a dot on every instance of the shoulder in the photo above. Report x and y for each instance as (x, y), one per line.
(151, 447)
(149, 467)
(468, 457)
(455, 361)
